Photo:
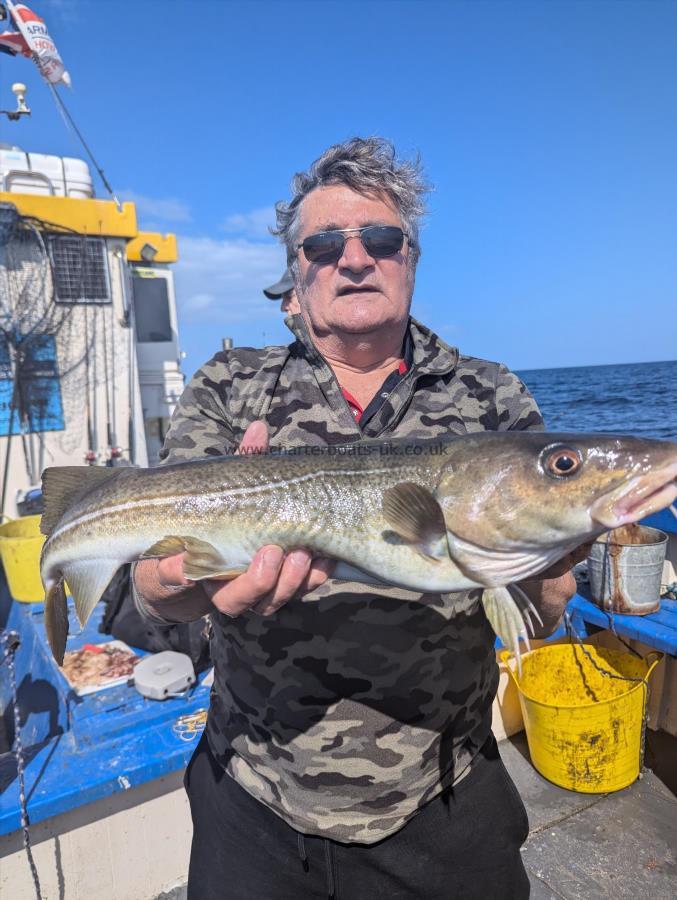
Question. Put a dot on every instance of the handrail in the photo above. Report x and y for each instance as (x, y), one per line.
(27, 174)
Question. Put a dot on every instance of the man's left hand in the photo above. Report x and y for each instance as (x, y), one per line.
(564, 565)
(551, 590)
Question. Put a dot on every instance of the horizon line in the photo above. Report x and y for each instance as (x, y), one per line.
(648, 362)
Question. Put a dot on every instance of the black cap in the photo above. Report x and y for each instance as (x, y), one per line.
(275, 291)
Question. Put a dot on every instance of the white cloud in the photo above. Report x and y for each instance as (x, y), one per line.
(222, 281)
(252, 224)
(165, 209)
(199, 302)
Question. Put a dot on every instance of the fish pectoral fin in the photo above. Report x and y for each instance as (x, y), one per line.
(509, 616)
(166, 546)
(202, 559)
(198, 572)
(87, 580)
(416, 516)
(56, 619)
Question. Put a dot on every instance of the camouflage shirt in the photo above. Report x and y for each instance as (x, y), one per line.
(353, 706)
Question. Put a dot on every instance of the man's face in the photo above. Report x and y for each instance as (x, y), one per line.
(357, 294)
(290, 304)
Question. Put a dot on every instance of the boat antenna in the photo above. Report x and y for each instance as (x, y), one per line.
(19, 91)
(50, 66)
(58, 99)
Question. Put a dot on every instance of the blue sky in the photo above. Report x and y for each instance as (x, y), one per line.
(548, 129)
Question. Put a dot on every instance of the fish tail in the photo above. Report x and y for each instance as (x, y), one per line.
(56, 618)
(509, 613)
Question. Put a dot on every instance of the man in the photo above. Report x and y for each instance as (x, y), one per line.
(348, 751)
(284, 290)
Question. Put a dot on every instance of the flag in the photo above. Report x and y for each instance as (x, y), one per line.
(12, 42)
(33, 32)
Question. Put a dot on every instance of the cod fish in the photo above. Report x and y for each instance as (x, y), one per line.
(477, 511)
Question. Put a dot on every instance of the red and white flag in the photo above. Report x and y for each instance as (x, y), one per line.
(33, 40)
(12, 43)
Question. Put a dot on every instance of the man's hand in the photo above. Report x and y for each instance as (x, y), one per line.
(564, 565)
(272, 578)
(551, 590)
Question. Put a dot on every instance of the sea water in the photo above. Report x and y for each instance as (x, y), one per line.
(633, 398)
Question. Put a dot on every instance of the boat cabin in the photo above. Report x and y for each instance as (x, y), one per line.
(89, 350)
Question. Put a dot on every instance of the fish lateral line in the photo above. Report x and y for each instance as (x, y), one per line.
(190, 498)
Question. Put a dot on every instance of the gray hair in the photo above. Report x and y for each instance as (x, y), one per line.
(366, 165)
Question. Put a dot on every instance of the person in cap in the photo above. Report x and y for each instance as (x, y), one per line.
(284, 290)
(348, 750)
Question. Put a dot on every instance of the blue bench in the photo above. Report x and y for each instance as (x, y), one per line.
(657, 630)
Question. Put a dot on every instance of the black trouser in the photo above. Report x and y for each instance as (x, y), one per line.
(463, 844)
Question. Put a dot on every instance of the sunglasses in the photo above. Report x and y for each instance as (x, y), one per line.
(380, 241)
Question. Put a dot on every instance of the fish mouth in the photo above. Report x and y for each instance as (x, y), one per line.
(643, 495)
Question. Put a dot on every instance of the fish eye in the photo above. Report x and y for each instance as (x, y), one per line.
(562, 462)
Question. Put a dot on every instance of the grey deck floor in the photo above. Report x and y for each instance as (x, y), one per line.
(596, 846)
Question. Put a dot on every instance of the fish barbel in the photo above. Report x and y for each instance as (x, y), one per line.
(477, 511)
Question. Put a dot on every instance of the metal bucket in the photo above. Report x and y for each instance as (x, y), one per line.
(625, 567)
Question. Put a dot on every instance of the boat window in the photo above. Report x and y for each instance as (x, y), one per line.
(35, 404)
(80, 269)
(151, 309)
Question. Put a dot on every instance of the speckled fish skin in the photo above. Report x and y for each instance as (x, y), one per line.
(506, 516)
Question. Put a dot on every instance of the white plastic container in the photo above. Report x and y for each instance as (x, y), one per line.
(44, 174)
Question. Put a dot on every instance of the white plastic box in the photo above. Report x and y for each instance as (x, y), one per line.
(44, 174)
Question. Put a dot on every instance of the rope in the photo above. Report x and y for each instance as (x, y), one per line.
(69, 118)
(572, 633)
(10, 643)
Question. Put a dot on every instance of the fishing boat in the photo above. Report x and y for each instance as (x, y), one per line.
(89, 351)
(90, 372)
(89, 375)
(91, 796)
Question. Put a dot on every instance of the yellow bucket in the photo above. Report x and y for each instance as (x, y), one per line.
(20, 546)
(584, 729)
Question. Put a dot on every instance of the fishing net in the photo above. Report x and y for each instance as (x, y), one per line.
(26, 290)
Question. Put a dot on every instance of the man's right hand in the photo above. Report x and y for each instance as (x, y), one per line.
(272, 578)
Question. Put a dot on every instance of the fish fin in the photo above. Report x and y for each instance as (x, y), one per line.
(166, 546)
(62, 484)
(87, 580)
(526, 607)
(415, 515)
(508, 616)
(345, 572)
(202, 559)
(199, 573)
(56, 619)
